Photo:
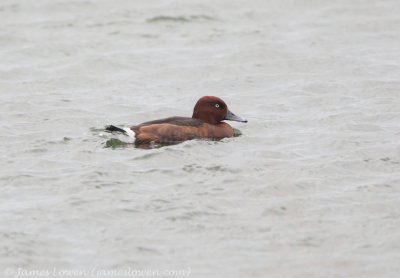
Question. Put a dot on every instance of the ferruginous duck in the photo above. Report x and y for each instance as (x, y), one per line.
(205, 123)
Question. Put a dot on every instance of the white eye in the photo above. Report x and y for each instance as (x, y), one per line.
(216, 105)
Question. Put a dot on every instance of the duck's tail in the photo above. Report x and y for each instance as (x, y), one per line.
(125, 131)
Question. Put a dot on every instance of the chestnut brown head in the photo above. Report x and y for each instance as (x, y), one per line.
(213, 110)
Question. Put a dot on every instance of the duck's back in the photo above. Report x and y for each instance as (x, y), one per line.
(179, 121)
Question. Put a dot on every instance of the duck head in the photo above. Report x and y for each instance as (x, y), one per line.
(213, 110)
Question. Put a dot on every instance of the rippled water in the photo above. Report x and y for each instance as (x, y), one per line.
(311, 188)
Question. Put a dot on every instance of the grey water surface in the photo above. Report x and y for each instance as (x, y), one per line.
(311, 188)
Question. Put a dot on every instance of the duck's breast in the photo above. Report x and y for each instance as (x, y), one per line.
(220, 131)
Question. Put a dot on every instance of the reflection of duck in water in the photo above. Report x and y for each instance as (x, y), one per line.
(205, 123)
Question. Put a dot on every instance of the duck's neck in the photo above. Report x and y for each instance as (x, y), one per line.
(205, 117)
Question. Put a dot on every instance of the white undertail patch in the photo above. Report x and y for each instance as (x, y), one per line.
(127, 137)
(129, 132)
